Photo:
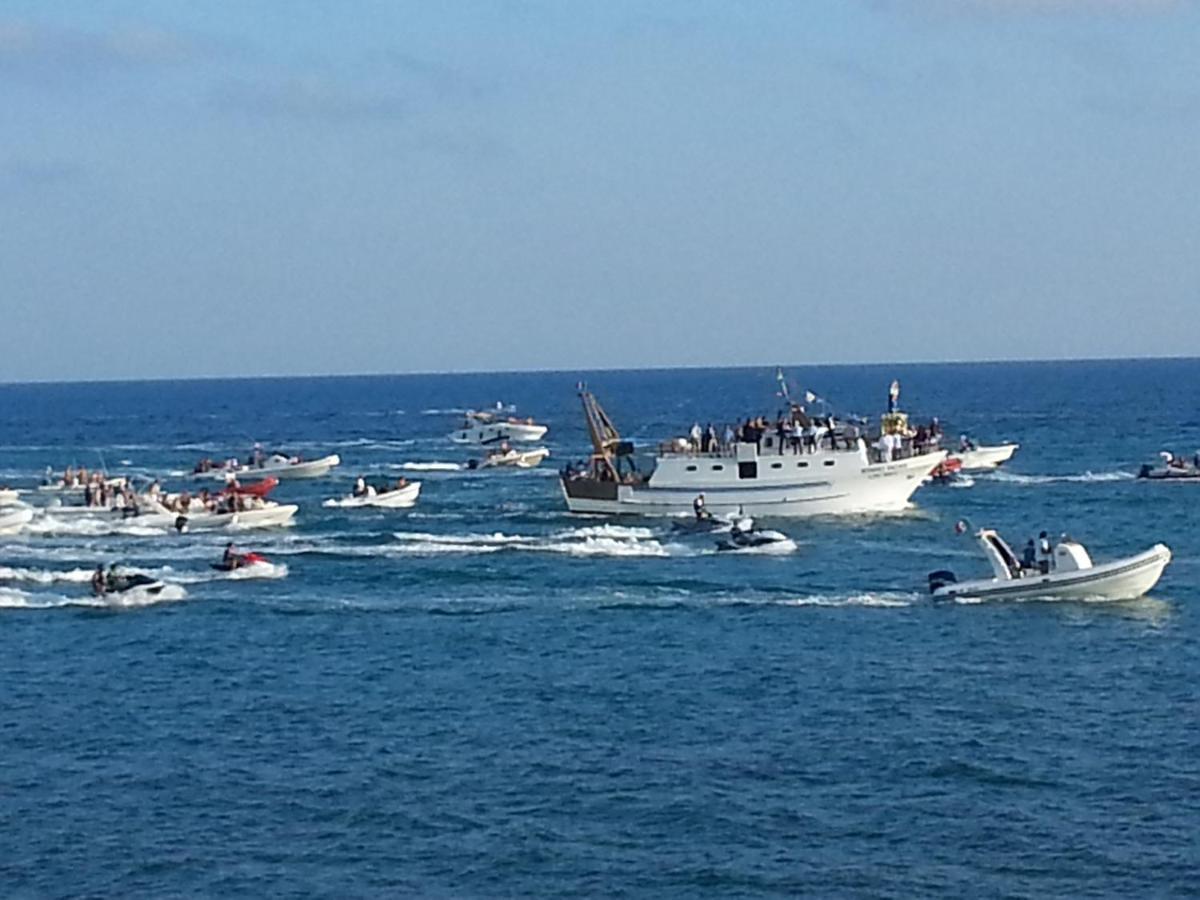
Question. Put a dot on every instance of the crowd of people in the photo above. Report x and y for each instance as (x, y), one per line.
(797, 432)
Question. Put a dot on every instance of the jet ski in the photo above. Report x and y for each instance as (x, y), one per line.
(122, 583)
(239, 561)
(745, 535)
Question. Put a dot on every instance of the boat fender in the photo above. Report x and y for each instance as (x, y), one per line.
(940, 579)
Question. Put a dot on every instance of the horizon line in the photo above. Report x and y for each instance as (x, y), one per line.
(548, 370)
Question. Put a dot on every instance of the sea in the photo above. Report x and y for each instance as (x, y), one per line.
(484, 696)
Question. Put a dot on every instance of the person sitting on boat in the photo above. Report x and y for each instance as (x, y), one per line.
(113, 579)
(360, 487)
(98, 580)
(232, 559)
(965, 444)
(401, 482)
(701, 511)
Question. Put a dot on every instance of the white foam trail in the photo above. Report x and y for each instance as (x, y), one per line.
(258, 570)
(429, 466)
(452, 411)
(963, 481)
(1082, 478)
(603, 540)
(777, 548)
(92, 526)
(131, 599)
(46, 576)
(882, 599)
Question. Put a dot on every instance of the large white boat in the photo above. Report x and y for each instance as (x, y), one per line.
(1069, 574)
(981, 458)
(276, 465)
(494, 428)
(761, 478)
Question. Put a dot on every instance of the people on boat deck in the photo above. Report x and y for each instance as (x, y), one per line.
(695, 435)
(965, 444)
(232, 559)
(401, 482)
(1045, 551)
(700, 509)
(360, 487)
(1029, 556)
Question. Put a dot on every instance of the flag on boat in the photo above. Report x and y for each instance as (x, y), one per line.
(783, 388)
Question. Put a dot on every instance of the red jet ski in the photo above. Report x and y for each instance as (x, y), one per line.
(240, 560)
(945, 471)
(258, 489)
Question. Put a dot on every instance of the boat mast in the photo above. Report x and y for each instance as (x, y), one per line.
(604, 435)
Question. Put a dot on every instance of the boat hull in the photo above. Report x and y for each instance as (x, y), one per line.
(399, 498)
(498, 432)
(983, 458)
(1123, 579)
(314, 468)
(14, 521)
(856, 487)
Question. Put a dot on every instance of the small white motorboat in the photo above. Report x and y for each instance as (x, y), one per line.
(980, 459)
(393, 498)
(276, 465)
(1069, 574)
(1172, 468)
(12, 521)
(493, 428)
(267, 515)
(511, 458)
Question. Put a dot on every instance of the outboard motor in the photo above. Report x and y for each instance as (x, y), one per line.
(1145, 471)
(940, 579)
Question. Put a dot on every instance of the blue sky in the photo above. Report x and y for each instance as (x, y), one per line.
(281, 188)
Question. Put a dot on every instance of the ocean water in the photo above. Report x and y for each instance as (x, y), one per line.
(484, 696)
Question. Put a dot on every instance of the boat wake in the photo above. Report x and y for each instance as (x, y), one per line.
(885, 599)
(11, 598)
(595, 540)
(428, 467)
(1000, 475)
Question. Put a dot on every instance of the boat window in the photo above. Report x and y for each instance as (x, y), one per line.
(747, 470)
(718, 468)
(776, 465)
(691, 468)
(802, 465)
(830, 462)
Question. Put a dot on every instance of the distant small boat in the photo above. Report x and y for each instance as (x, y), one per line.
(1070, 574)
(393, 498)
(979, 459)
(493, 428)
(1172, 468)
(276, 465)
(512, 458)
